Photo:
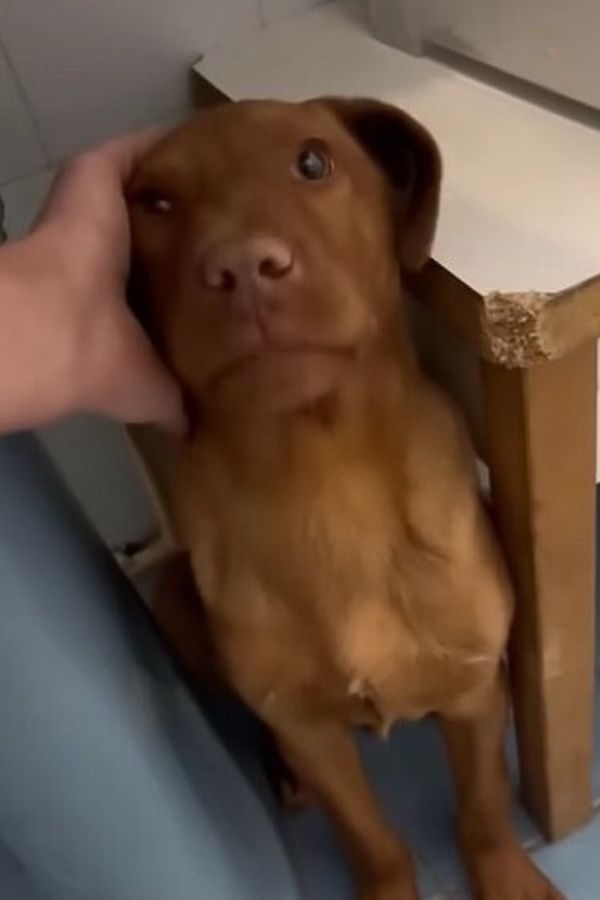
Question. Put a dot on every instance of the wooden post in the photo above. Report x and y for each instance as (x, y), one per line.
(541, 436)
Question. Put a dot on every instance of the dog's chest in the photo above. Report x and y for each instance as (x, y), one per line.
(397, 619)
(328, 569)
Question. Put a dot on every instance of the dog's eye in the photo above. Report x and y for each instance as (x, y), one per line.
(155, 202)
(314, 162)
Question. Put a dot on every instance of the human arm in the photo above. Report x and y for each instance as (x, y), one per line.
(68, 342)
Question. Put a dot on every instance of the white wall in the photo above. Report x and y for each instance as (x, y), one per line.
(73, 72)
(552, 43)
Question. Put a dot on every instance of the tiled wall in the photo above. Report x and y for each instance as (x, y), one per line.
(73, 72)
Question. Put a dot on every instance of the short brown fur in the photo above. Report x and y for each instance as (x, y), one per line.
(327, 496)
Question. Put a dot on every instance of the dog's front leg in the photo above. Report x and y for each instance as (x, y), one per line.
(318, 746)
(325, 758)
(499, 868)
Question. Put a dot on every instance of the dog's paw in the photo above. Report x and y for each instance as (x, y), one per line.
(509, 874)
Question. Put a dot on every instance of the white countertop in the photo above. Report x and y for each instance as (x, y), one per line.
(521, 198)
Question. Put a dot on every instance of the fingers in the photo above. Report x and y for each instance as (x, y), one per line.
(124, 152)
(96, 178)
(158, 401)
(150, 396)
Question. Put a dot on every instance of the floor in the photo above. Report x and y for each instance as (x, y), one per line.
(409, 772)
(412, 782)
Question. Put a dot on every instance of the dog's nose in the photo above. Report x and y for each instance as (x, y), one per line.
(257, 261)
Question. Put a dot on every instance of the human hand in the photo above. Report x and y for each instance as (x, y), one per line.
(83, 233)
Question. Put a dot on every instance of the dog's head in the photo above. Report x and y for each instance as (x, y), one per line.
(268, 239)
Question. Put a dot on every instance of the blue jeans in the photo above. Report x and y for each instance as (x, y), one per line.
(113, 784)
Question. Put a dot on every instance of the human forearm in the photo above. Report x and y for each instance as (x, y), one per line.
(37, 336)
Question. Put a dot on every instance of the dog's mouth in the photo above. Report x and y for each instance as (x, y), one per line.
(278, 379)
(280, 356)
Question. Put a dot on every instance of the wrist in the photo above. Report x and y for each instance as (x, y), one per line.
(39, 341)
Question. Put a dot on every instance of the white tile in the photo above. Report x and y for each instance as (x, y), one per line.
(91, 69)
(22, 200)
(20, 150)
(277, 10)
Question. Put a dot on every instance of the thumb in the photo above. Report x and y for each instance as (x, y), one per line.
(139, 389)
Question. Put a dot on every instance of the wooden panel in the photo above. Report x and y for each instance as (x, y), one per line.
(541, 450)
(516, 330)
(451, 299)
(452, 362)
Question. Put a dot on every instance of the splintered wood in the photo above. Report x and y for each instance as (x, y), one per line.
(522, 330)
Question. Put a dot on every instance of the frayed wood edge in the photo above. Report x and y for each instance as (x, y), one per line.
(519, 330)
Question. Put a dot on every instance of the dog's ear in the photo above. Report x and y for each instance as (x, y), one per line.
(411, 161)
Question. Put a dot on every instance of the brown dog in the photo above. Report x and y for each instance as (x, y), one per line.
(327, 496)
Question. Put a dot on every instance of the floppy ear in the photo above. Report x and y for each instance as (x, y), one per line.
(410, 159)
